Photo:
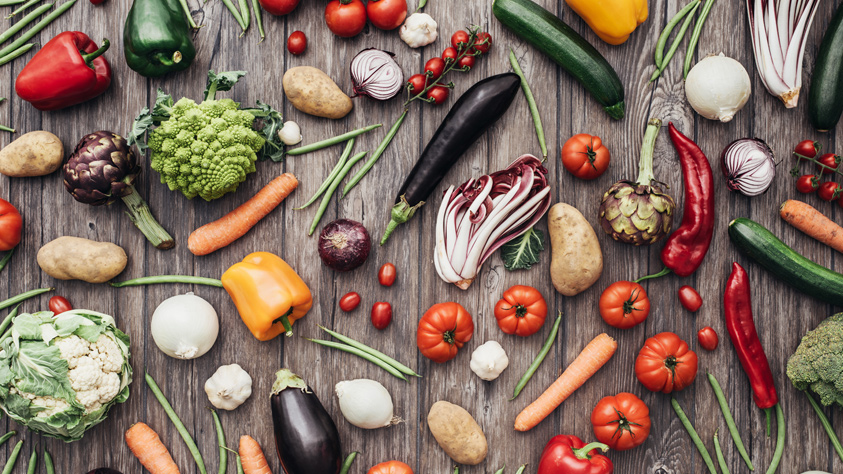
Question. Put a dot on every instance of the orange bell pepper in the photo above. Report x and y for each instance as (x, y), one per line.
(269, 295)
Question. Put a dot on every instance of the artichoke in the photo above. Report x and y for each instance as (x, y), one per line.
(640, 212)
(104, 168)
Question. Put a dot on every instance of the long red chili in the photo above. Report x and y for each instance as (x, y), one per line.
(741, 327)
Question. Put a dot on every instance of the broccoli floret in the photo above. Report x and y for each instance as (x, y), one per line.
(817, 363)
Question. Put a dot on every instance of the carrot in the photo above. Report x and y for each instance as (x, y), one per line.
(812, 222)
(150, 451)
(251, 457)
(594, 356)
(230, 227)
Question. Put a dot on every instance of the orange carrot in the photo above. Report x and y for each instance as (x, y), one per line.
(594, 356)
(251, 457)
(150, 451)
(230, 227)
(812, 222)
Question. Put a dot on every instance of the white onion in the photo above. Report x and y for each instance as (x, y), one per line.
(718, 87)
(376, 74)
(184, 326)
(366, 404)
(749, 166)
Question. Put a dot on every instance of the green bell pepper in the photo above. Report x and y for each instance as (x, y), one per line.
(157, 38)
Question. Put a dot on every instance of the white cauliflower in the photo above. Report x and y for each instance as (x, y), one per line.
(94, 369)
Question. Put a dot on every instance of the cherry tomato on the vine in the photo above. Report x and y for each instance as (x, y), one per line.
(829, 191)
(807, 148)
(449, 55)
(386, 275)
(381, 315)
(708, 338)
(689, 298)
(831, 160)
(466, 62)
(296, 43)
(279, 7)
(434, 67)
(59, 304)
(438, 94)
(387, 14)
(459, 40)
(482, 43)
(807, 183)
(345, 18)
(417, 83)
(350, 301)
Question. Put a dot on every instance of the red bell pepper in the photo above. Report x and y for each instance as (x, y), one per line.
(567, 454)
(69, 70)
(11, 224)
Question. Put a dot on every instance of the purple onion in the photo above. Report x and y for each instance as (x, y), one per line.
(344, 245)
(748, 165)
(376, 74)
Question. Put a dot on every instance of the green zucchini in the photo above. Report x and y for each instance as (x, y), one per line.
(825, 98)
(550, 35)
(782, 261)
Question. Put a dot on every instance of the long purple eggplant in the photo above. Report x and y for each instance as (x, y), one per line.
(305, 435)
(475, 111)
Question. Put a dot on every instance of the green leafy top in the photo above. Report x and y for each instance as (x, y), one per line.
(523, 252)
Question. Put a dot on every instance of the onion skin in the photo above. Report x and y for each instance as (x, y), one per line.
(344, 245)
(376, 82)
(736, 168)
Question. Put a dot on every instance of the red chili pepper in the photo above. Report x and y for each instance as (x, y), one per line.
(68, 70)
(741, 329)
(568, 454)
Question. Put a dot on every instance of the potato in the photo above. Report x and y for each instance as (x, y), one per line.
(576, 261)
(457, 433)
(73, 258)
(313, 92)
(33, 154)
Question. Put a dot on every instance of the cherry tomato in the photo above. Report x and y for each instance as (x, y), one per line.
(831, 160)
(381, 315)
(466, 63)
(807, 148)
(449, 55)
(689, 298)
(387, 14)
(350, 301)
(279, 7)
(708, 338)
(459, 40)
(296, 43)
(829, 191)
(807, 183)
(345, 18)
(417, 83)
(59, 304)
(386, 275)
(482, 43)
(438, 94)
(434, 68)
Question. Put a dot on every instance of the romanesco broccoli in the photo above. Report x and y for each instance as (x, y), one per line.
(817, 363)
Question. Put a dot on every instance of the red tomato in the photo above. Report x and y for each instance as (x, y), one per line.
(708, 338)
(829, 191)
(449, 55)
(59, 304)
(689, 298)
(521, 311)
(391, 467)
(807, 183)
(466, 63)
(443, 330)
(386, 275)
(438, 94)
(11, 224)
(417, 83)
(482, 43)
(666, 363)
(585, 157)
(831, 160)
(297, 43)
(807, 148)
(381, 315)
(434, 68)
(622, 421)
(279, 7)
(387, 14)
(459, 40)
(350, 301)
(345, 18)
(624, 304)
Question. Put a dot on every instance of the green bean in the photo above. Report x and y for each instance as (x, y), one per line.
(548, 343)
(694, 436)
(362, 354)
(780, 438)
(730, 422)
(48, 463)
(376, 155)
(12, 31)
(695, 37)
(719, 453)
(521, 469)
(334, 172)
(6, 437)
(676, 42)
(531, 102)
(36, 28)
(256, 8)
(380, 355)
(14, 55)
(13, 458)
(245, 15)
(659, 53)
(154, 280)
(4, 128)
(9, 3)
(235, 13)
(500, 471)
(23, 297)
(188, 440)
(456, 470)
(188, 14)
(326, 199)
(21, 8)
(348, 462)
(832, 436)
(6, 258)
(8, 321)
(332, 141)
(221, 440)
(239, 465)
(33, 461)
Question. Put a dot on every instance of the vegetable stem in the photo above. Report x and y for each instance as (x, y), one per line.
(13, 458)
(159, 279)
(256, 9)
(780, 438)
(331, 141)
(334, 172)
(661, 273)
(141, 216)
(346, 465)
(719, 453)
(376, 155)
(730, 422)
(221, 441)
(6, 259)
(683, 418)
(23, 297)
(326, 199)
(36, 28)
(548, 343)
(531, 102)
(188, 440)
(380, 355)
(676, 42)
(658, 56)
(360, 353)
(187, 13)
(695, 37)
(27, 19)
(832, 436)
(648, 147)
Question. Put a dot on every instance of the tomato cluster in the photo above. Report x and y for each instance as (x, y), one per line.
(381, 311)
(347, 18)
(826, 164)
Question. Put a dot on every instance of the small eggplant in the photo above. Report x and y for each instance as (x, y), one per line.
(306, 437)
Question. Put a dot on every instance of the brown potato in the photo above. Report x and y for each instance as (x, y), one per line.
(457, 433)
(576, 261)
(74, 258)
(33, 154)
(313, 92)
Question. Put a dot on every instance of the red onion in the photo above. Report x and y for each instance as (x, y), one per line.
(376, 74)
(748, 165)
(344, 245)
(480, 216)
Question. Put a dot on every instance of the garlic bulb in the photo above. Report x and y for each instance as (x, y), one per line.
(489, 360)
(418, 30)
(229, 387)
(185, 326)
(290, 133)
(366, 404)
(718, 87)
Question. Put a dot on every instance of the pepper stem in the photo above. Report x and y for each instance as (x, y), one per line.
(142, 217)
(645, 163)
(89, 57)
(582, 453)
(660, 274)
(401, 213)
(285, 321)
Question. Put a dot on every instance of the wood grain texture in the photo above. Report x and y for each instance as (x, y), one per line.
(782, 314)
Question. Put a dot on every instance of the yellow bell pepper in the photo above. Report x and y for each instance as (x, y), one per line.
(612, 20)
(269, 295)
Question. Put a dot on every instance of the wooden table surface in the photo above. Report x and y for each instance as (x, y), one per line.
(782, 314)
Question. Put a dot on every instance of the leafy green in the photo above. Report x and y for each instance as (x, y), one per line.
(522, 252)
(221, 82)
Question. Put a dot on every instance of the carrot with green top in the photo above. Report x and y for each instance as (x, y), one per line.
(587, 363)
(813, 223)
(150, 451)
(251, 457)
